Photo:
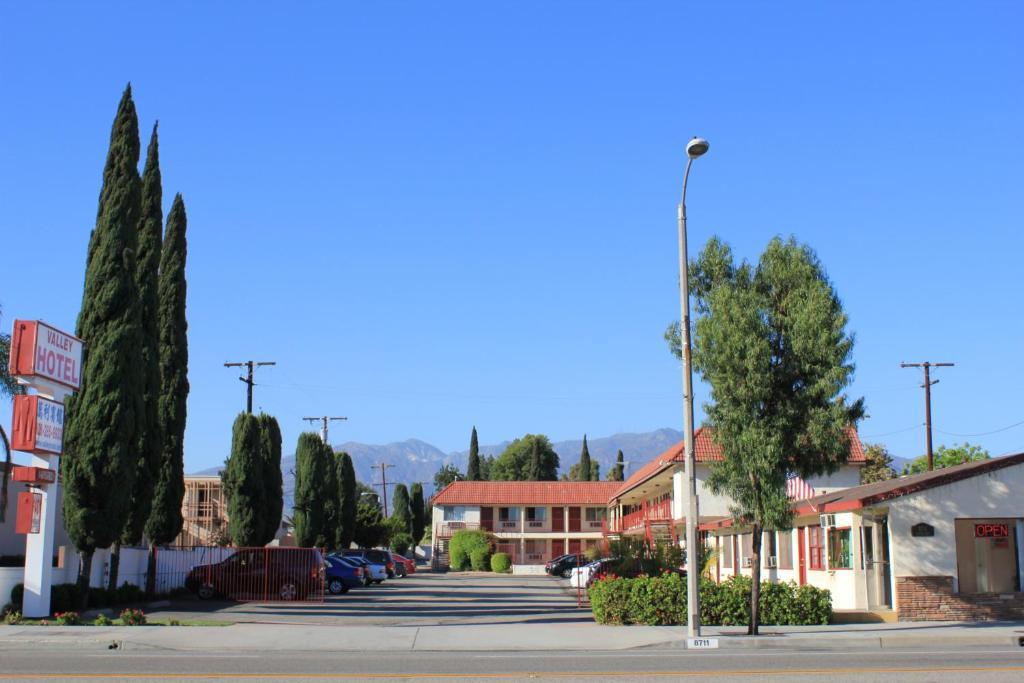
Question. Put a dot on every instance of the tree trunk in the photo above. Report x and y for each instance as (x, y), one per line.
(84, 573)
(755, 581)
(115, 563)
(151, 571)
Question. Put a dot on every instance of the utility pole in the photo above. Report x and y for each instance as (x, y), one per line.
(323, 420)
(928, 402)
(384, 484)
(252, 365)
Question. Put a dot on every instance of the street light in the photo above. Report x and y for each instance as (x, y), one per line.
(695, 148)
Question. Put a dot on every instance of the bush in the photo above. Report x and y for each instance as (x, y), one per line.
(661, 600)
(102, 620)
(133, 617)
(12, 617)
(401, 542)
(501, 563)
(480, 558)
(68, 619)
(462, 545)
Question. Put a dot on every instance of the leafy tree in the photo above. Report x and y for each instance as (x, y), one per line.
(273, 481)
(102, 421)
(401, 510)
(948, 457)
(347, 501)
(165, 520)
(8, 387)
(244, 487)
(446, 475)
(574, 472)
(313, 487)
(473, 465)
(486, 465)
(618, 472)
(371, 527)
(771, 341)
(419, 517)
(878, 465)
(528, 458)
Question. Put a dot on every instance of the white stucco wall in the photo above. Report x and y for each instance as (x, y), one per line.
(712, 505)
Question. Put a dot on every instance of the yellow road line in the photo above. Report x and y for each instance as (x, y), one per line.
(521, 674)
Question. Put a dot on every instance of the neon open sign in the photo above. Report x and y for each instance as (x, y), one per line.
(991, 530)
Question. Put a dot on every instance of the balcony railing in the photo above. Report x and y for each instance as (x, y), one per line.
(447, 529)
(653, 512)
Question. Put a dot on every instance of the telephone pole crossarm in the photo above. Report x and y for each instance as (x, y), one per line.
(251, 366)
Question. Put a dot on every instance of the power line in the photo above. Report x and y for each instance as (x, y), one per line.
(994, 431)
(895, 431)
(928, 402)
(247, 379)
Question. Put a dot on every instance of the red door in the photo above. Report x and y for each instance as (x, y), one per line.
(558, 547)
(487, 519)
(574, 520)
(802, 553)
(558, 519)
(574, 546)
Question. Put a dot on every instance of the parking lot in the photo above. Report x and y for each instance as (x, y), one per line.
(422, 599)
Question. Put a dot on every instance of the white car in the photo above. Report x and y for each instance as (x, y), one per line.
(582, 577)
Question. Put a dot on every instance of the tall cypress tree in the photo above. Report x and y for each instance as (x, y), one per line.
(535, 467)
(310, 483)
(102, 428)
(348, 500)
(273, 481)
(165, 520)
(401, 511)
(473, 466)
(243, 484)
(147, 267)
(617, 472)
(584, 472)
(418, 516)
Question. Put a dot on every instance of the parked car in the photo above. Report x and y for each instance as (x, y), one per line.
(408, 565)
(340, 575)
(260, 574)
(375, 573)
(375, 556)
(563, 566)
(582, 577)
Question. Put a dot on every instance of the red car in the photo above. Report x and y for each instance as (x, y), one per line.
(410, 565)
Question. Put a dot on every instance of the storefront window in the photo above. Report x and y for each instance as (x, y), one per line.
(840, 551)
(816, 547)
(986, 551)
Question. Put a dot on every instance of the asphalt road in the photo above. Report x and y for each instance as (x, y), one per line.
(992, 664)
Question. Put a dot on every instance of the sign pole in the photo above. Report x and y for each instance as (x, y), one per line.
(39, 547)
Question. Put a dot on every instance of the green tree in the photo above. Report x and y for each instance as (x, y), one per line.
(473, 464)
(945, 456)
(401, 510)
(486, 465)
(102, 421)
(165, 520)
(147, 267)
(273, 480)
(877, 465)
(574, 472)
(244, 487)
(347, 501)
(583, 472)
(419, 518)
(528, 458)
(771, 341)
(618, 471)
(446, 475)
(8, 387)
(312, 489)
(371, 528)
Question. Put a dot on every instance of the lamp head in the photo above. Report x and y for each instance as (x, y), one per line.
(696, 147)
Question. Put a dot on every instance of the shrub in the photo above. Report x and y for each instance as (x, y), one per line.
(12, 617)
(128, 593)
(462, 545)
(480, 558)
(401, 542)
(501, 563)
(68, 618)
(102, 620)
(133, 617)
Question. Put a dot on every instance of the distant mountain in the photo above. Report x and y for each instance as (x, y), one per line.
(414, 460)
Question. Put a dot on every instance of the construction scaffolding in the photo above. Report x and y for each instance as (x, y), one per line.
(204, 510)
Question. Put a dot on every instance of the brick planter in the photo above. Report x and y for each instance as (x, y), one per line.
(931, 598)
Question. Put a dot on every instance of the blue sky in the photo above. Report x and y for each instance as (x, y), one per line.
(435, 215)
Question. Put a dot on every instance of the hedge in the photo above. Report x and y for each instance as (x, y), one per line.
(501, 562)
(480, 559)
(462, 545)
(661, 601)
(64, 597)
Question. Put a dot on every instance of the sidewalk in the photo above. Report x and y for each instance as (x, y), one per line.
(504, 637)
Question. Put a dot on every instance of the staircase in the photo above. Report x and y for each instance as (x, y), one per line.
(661, 532)
(439, 554)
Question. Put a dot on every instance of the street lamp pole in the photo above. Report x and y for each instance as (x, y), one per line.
(695, 148)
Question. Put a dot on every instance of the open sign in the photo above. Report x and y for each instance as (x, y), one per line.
(991, 530)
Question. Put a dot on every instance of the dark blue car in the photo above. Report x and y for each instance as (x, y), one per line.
(341, 575)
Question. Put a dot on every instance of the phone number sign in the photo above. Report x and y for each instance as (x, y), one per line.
(38, 425)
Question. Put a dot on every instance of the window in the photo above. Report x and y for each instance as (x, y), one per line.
(816, 547)
(508, 514)
(747, 545)
(726, 544)
(785, 548)
(454, 513)
(536, 514)
(769, 547)
(840, 550)
(596, 514)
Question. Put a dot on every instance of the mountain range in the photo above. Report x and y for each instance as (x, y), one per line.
(413, 460)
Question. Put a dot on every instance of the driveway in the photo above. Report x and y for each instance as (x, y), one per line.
(423, 599)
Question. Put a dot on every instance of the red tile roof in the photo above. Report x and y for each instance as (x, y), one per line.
(526, 493)
(708, 451)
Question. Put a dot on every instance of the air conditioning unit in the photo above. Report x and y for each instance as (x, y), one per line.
(827, 521)
(748, 562)
(771, 562)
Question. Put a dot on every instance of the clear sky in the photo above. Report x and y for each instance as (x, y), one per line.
(435, 215)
